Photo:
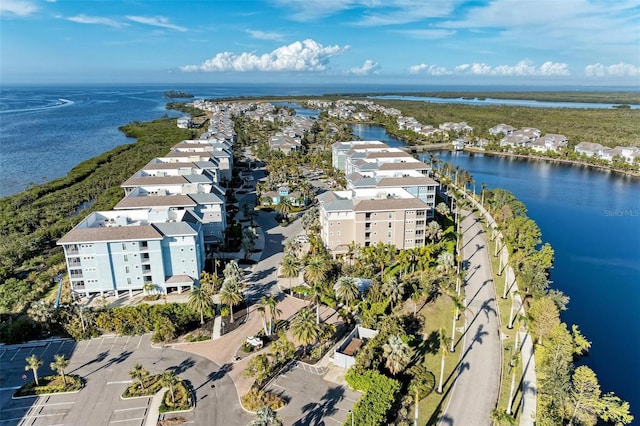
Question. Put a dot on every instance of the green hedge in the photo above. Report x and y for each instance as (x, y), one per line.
(152, 384)
(380, 395)
(181, 396)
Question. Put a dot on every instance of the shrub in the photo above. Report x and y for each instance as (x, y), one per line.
(181, 396)
(50, 384)
(152, 384)
(380, 395)
(256, 398)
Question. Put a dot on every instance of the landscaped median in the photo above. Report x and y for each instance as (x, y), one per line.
(178, 396)
(49, 385)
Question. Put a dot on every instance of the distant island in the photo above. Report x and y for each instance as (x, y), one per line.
(174, 94)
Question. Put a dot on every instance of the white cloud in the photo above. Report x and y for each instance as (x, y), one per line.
(615, 70)
(17, 7)
(265, 35)
(84, 19)
(428, 69)
(156, 21)
(522, 68)
(369, 67)
(307, 55)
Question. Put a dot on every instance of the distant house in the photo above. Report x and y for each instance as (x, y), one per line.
(589, 149)
(273, 198)
(502, 129)
(549, 142)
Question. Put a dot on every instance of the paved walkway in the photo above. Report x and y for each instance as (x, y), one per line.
(477, 381)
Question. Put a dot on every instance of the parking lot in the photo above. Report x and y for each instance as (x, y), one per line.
(105, 363)
(312, 400)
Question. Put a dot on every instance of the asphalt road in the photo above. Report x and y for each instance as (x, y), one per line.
(477, 380)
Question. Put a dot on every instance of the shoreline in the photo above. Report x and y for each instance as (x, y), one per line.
(629, 173)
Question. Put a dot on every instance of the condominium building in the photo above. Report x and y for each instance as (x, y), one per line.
(110, 252)
(367, 216)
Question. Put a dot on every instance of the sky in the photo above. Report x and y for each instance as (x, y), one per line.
(492, 42)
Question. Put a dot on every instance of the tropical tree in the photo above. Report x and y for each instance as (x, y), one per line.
(397, 354)
(347, 289)
(442, 339)
(149, 289)
(584, 398)
(230, 295)
(290, 267)
(265, 416)
(200, 301)
(393, 289)
(282, 349)
(382, 255)
(274, 312)
(33, 364)
(284, 207)
(248, 242)
(433, 231)
(139, 372)
(304, 328)
(233, 272)
(59, 364)
(262, 309)
(499, 416)
(513, 365)
(442, 209)
(315, 272)
(169, 379)
(615, 410)
(445, 262)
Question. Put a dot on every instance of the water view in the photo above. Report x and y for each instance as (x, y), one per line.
(592, 220)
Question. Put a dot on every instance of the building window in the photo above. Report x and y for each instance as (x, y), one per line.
(390, 215)
(128, 281)
(389, 234)
(124, 246)
(126, 258)
(390, 225)
(127, 270)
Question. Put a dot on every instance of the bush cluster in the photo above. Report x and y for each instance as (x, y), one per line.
(257, 398)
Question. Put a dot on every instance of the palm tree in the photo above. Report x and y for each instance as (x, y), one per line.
(148, 289)
(442, 209)
(445, 262)
(315, 272)
(514, 297)
(442, 338)
(138, 372)
(290, 267)
(262, 309)
(284, 207)
(274, 312)
(347, 289)
(397, 354)
(382, 254)
(232, 271)
(458, 306)
(304, 328)
(33, 363)
(393, 289)
(169, 379)
(230, 295)
(433, 231)
(515, 360)
(265, 416)
(200, 301)
(59, 364)
(499, 416)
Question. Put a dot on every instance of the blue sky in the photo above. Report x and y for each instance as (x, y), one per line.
(500, 42)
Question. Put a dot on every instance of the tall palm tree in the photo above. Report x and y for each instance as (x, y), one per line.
(383, 255)
(347, 289)
(445, 262)
(393, 289)
(290, 267)
(315, 272)
(230, 295)
(265, 416)
(442, 338)
(433, 231)
(200, 301)
(515, 360)
(262, 309)
(59, 364)
(274, 312)
(233, 271)
(442, 209)
(169, 379)
(139, 372)
(397, 354)
(458, 306)
(304, 328)
(33, 364)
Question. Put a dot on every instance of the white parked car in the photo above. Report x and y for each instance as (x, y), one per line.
(302, 239)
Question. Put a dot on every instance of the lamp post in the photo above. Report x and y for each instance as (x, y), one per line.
(351, 414)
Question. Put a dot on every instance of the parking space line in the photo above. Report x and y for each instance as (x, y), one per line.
(4, 351)
(87, 345)
(45, 349)
(15, 355)
(60, 347)
(129, 409)
(127, 420)
(139, 342)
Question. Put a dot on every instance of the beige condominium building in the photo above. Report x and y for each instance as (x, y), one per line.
(389, 198)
